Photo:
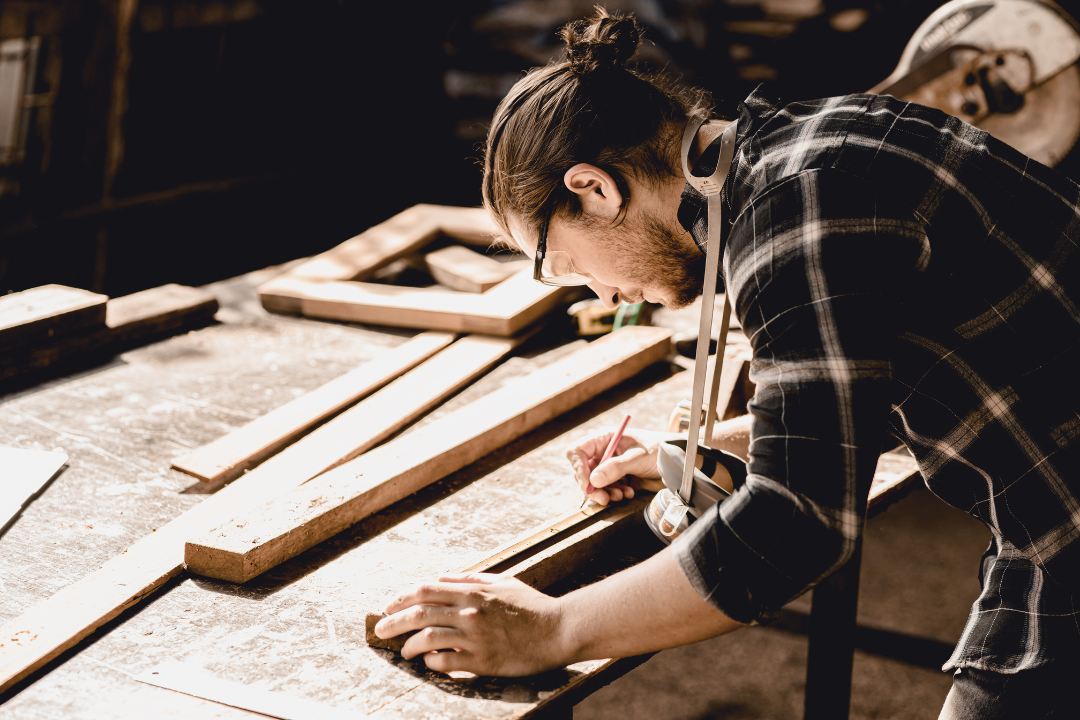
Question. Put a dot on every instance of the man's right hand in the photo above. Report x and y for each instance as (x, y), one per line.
(632, 466)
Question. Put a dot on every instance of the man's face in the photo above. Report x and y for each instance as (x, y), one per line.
(641, 258)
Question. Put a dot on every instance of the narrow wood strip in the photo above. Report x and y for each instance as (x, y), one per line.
(506, 309)
(230, 455)
(49, 628)
(363, 426)
(177, 676)
(253, 543)
(41, 313)
(129, 320)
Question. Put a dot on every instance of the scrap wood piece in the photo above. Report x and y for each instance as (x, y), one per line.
(548, 553)
(459, 268)
(46, 630)
(505, 309)
(25, 473)
(230, 455)
(38, 314)
(129, 320)
(257, 541)
(359, 257)
(183, 678)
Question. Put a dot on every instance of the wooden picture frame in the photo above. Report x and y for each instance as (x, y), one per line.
(331, 285)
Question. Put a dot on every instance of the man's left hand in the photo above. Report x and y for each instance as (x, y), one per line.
(481, 623)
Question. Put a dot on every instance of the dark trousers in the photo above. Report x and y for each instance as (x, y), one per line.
(1034, 694)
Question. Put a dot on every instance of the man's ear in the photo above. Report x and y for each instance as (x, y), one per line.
(596, 189)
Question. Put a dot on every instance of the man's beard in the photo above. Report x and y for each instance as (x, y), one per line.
(651, 255)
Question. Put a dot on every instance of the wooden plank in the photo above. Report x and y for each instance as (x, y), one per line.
(506, 309)
(41, 313)
(183, 678)
(26, 472)
(242, 449)
(129, 320)
(45, 631)
(548, 553)
(164, 309)
(250, 544)
(465, 270)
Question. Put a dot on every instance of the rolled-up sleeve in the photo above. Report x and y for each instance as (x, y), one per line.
(816, 267)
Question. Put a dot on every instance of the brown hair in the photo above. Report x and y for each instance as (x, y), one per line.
(588, 108)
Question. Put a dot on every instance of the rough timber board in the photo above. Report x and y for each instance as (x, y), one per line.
(130, 319)
(506, 309)
(408, 231)
(251, 544)
(48, 311)
(230, 455)
(46, 630)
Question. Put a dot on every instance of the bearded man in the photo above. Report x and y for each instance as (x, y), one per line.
(898, 274)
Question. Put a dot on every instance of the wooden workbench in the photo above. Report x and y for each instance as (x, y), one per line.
(299, 628)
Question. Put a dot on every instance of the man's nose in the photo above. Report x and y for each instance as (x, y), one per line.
(608, 295)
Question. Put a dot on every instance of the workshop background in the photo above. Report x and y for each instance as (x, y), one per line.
(150, 142)
(145, 142)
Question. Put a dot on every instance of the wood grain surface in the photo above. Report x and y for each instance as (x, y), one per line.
(59, 623)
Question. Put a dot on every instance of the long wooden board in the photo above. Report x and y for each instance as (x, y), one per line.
(505, 309)
(230, 455)
(46, 630)
(548, 553)
(41, 313)
(131, 319)
(249, 545)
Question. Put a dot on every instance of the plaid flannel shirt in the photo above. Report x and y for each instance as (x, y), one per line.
(898, 271)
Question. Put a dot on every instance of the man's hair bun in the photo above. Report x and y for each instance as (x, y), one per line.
(600, 44)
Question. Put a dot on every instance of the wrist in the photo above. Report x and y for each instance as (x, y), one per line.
(569, 645)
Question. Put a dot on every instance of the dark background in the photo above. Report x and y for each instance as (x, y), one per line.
(192, 140)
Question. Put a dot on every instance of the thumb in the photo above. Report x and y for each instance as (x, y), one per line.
(636, 461)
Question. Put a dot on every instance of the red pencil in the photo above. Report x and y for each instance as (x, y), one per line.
(608, 453)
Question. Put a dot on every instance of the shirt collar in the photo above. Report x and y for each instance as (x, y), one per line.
(693, 215)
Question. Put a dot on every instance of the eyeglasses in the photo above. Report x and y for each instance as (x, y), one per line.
(555, 268)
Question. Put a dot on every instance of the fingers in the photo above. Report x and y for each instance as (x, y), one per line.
(585, 454)
(443, 592)
(413, 618)
(431, 639)
(635, 461)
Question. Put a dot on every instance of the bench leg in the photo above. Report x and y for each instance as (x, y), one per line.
(832, 642)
